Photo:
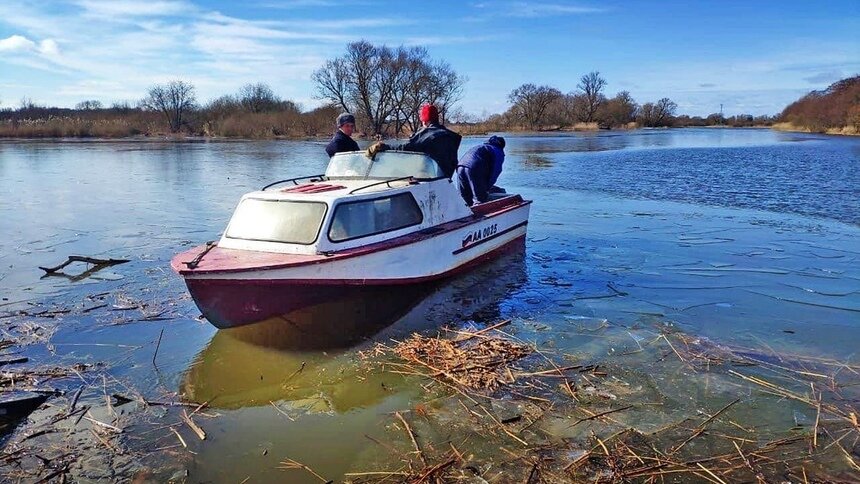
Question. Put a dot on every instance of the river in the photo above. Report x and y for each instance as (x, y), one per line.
(742, 237)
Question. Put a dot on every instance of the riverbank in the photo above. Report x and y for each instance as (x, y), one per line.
(465, 130)
(841, 131)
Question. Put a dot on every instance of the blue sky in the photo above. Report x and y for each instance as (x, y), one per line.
(751, 56)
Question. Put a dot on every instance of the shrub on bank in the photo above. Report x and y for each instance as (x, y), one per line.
(835, 110)
(69, 127)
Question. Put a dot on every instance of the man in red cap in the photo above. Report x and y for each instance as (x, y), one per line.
(433, 139)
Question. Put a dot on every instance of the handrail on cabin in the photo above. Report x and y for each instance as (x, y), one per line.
(295, 180)
(387, 182)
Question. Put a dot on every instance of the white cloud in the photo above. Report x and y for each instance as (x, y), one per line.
(49, 47)
(21, 44)
(17, 43)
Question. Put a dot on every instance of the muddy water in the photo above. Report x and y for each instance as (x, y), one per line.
(746, 238)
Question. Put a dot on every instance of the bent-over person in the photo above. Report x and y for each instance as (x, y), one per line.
(479, 169)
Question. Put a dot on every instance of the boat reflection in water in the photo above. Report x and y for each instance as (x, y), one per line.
(309, 357)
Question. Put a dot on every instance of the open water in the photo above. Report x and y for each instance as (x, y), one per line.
(746, 238)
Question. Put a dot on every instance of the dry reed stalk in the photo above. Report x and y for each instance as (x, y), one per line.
(412, 438)
(288, 463)
(178, 436)
(702, 426)
(193, 426)
(285, 414)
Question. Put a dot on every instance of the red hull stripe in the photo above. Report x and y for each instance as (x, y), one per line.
(362, 282)
(487, 239)
(487, 208)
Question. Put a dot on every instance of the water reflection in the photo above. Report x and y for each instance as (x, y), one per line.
(307, 357)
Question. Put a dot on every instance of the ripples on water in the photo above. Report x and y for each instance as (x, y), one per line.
(758, 169)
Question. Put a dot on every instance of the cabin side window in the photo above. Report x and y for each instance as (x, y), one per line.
(283, 221)
(352, 220)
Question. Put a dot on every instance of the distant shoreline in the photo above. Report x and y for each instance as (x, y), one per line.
(783, 127)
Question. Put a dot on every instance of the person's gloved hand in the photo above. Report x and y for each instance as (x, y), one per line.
(375, 148)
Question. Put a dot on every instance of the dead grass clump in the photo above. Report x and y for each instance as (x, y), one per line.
(475, 365)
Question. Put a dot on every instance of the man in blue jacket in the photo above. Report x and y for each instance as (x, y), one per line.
(342, 139)
(433, 139)
(479, 169)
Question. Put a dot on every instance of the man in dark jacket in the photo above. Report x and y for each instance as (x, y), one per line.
(433, 139)
(479, 169)
(342, 141)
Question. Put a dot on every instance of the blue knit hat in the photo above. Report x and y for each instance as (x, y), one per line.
(497, 141)
(345, 118)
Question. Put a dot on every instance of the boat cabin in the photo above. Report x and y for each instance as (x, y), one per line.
(356, 202)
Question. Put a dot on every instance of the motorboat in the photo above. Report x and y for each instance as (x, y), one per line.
(247, 366)
(382, 223)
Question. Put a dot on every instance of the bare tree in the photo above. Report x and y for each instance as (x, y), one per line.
(333, 82)
(412, 91)
(530, 103)
(359, 81)
(446, 88)
(258, 98)
(222, 106)
(591, 89)
(665, 111)
(88, 105)
(426, 82)
(386, 87)
(618, 111)
(657, 114)
(173, 99)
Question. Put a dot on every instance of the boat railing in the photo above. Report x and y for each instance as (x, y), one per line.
(386, 182)
(311, 178)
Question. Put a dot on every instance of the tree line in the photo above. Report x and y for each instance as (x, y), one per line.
(545, 107)
(832, 110)
(255, 111)
(384, 87)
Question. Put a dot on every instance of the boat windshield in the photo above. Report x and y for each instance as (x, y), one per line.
(388, 164)
(283, 221)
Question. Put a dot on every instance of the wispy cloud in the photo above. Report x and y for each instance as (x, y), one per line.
(124, 9)
(299, 4)
(826, 77)
(136, 43)
(534, 9)
(449, 39)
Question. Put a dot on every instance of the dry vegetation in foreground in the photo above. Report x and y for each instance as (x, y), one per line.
(500, 409)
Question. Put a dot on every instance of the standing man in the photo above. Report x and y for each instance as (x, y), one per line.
(433, 139)
(342, 139)
(479, 169)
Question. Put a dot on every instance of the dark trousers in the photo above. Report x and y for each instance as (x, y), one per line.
(473, 185)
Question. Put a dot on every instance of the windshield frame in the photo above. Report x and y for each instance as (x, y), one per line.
(316, 238)
(426, 168)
